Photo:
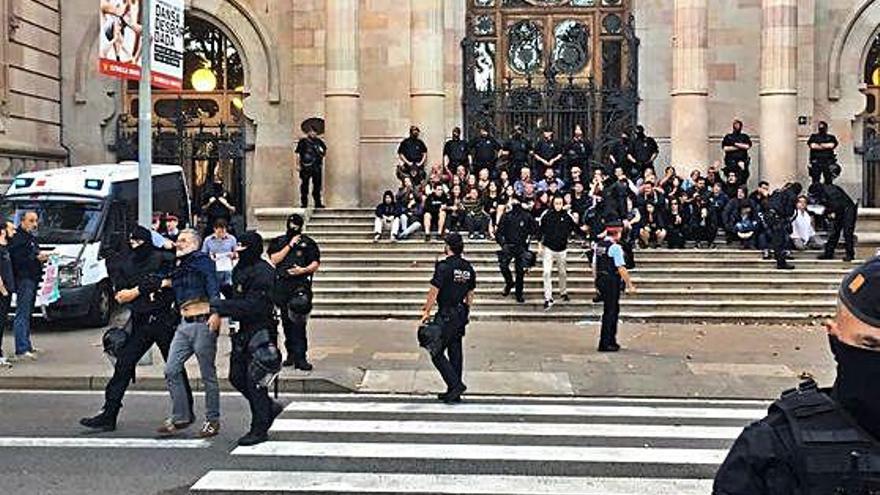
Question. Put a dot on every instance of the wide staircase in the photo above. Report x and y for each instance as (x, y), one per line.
(361, 279)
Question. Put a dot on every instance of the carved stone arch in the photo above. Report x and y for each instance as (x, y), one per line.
(848, 51)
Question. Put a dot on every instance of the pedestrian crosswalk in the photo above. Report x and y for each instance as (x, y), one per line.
(489, 445)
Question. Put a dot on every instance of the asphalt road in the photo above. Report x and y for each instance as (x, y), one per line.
(358, 443)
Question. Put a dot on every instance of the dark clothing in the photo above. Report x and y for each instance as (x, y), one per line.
(619, 152)
(215, 210)
(822, 156)
(413, 150)
(807, 445)
(844, 209)
(194, 278)
(315, 176)
(643, 149)
(454, 277)
(6, 269)
(514, 230)
(5, 303)
(518, 149)
(555, 229)
(739, 155)
(578, 153)
(548, 150)
(434, 203)
(388, 210)
(146, 330)
(23, 250)
(484, 151)
(614, 199)
(456, 150)
(609, 285)
(257, 397)
(311, 152)
(450, 362)
(304, 253)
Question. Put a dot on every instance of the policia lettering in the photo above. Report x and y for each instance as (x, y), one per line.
(296, 258)
(452, 289)
(153, 320)
(255, 359)
(821, 441)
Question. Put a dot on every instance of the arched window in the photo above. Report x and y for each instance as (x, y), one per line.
(872, 64)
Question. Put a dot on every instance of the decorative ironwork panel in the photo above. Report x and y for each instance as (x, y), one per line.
(526, 47)
(571, 53)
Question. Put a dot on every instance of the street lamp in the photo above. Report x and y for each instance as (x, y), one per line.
(203, 80)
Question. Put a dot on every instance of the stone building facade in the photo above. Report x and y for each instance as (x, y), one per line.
(31, 135)
(370, 68)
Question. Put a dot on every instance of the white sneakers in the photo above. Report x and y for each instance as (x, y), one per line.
(4, 363)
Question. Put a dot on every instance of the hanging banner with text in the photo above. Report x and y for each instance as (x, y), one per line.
(119, 49)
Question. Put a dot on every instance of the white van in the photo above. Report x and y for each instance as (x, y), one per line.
(85, 215)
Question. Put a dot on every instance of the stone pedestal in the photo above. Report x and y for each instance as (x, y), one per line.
(779, 92)
(690, 87)
(342, 105)
(427, 92)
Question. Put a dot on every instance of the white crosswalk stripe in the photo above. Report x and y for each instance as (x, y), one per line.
(400, 445)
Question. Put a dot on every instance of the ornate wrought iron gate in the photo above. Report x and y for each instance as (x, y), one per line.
(871, 163)
(586, 74)
(204, 147)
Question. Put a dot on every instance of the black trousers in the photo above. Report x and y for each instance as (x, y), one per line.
(4, 317)
(296, 340)
(257, 397)
(450, 361)
(504, 260)
(315, 175)
(819, 170)
(845, 223)
(609, 288)
(146, 330)
(779, 235)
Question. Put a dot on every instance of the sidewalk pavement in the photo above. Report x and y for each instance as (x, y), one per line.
(657, 360)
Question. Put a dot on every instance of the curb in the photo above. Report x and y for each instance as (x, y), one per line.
(340, 381)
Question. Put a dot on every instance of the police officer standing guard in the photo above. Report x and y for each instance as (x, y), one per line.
(153, 321)
(609, 265)
(819, 441)
(517, 149)
(311, 151)
(254, 351)
(296, 258)
(823, 160)
(455, 151)
(514, 229)
(736, 146)
(452, 288)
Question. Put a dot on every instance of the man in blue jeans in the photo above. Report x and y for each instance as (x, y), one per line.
(195, 287)
(27, 265)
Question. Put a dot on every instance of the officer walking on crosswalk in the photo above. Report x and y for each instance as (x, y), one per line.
(822, 441)
(609, 265)
(452, 289)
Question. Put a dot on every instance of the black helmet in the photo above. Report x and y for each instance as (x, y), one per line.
(265, 358)
(114, 340)
(430, 336)
(300, 302)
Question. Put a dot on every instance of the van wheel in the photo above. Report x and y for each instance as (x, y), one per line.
(100, 308)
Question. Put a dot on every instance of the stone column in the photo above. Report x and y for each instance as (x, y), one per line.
(427, 93)
(342, 175)
(690, 85)
(779, 131)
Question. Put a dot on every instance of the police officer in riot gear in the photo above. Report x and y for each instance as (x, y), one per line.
(821, 441)
(609, 265)
(153, 321)
(843, 213)
(823, 160)
(251, 305)
(296, 258)
(452, 289)
(778, 214)
(310, 151)
(736, 146)
(514, 230)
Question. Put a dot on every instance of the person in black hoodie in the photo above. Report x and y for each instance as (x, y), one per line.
(252, 307)
(153, 320)
(388, 213)
(556, 227)
(514, 230)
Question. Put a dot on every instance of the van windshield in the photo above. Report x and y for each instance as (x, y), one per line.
(61, 221)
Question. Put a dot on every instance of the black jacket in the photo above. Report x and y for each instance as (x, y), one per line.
(555, 229)
(130, 270)
(515, 228)
(835, 199)
(250, 303)
(23, 249)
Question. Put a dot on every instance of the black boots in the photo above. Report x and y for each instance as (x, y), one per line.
(104, 421)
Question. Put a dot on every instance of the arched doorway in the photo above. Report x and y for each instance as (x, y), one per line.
(203, 127)
(552, 63)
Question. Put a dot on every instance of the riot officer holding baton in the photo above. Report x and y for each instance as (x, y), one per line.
(609, 265)
(296, 258)
(452, 289)
(255, 359)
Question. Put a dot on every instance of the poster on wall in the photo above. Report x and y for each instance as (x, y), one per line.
(119, 49)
